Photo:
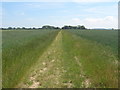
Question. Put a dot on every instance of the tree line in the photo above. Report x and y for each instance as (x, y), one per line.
(45, 27)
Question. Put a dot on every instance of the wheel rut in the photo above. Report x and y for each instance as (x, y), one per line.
(48, 70)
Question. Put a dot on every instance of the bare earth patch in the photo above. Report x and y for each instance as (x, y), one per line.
(48, 72)
(86, 82)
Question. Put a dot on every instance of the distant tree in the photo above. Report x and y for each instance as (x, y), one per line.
(78, 27)
(73, 27)
(14, 28)
(18, 28)
(46, 27)
(83, 27)
(49, 27)
(56, 28)
(3, 28)
(34, 28)
(39, 28)
(112, 28)
(9, 28)
(23, 28)
(66, 27)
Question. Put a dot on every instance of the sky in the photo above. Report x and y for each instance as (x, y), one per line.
(92, 14)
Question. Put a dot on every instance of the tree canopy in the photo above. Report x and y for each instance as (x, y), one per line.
(45, 27)
(74, 27)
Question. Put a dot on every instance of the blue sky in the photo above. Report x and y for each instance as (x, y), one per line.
(37, 14)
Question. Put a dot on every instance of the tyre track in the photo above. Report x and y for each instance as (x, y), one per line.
(48, 70)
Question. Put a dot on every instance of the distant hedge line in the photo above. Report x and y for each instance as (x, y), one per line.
(45, 27)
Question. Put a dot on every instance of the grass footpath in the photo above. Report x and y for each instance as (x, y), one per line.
(73, 62)
(48, 70)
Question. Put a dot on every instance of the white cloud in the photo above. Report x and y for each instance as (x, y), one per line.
(60, 0)
(106, 22)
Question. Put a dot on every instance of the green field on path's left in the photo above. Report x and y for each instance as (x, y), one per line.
(60, 59)
(20, 50)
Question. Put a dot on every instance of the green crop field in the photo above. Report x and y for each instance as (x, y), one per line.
(105, 37)
(59, 59)
(21, 49)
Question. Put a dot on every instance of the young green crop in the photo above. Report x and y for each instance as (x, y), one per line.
(105, 37)
(21, 49)
(77, 59)
(88, 63)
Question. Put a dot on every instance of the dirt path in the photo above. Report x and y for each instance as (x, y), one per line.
(86, 81)
(48, 71)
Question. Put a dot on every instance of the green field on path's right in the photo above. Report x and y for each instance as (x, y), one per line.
(89, 59)
(107, 38)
